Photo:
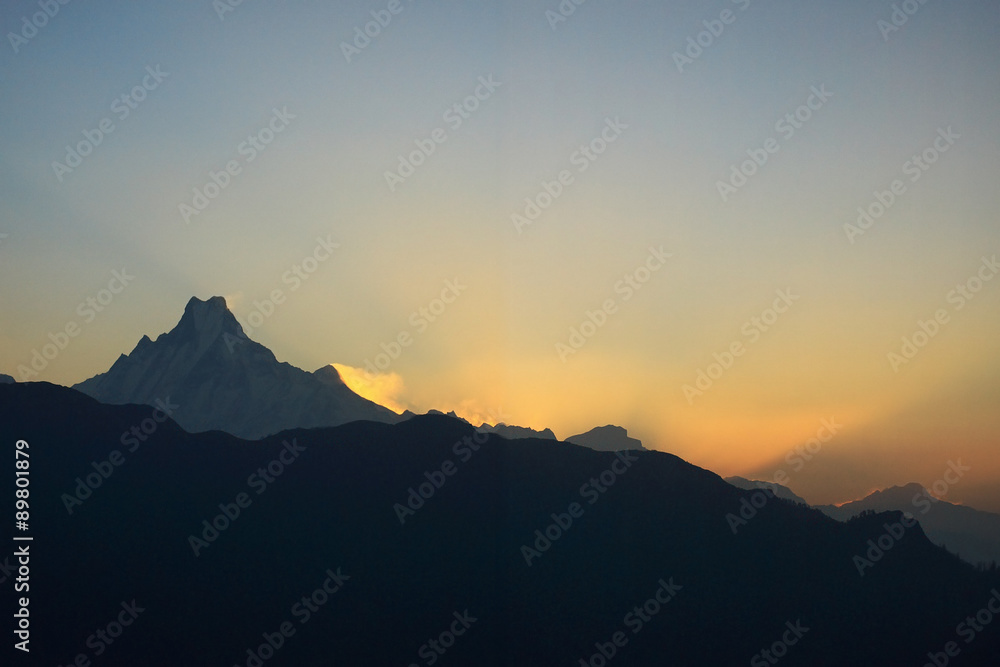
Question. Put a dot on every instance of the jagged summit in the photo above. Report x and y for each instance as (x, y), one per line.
(202, 324)
(223, 380)
(208, 319)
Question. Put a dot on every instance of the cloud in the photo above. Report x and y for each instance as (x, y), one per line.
(234, 301)
(386, 389)
(472, 411)
(389, 389)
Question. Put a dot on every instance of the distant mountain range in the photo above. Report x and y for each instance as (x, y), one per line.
(777, 489)
(503, 430)
(972, 534)
(395, 544)
(602, 438)
(517, 432)
(219, 379)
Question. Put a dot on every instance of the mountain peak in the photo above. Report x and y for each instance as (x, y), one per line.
(328, 375)
(223, 380)
(214, 307)
(207, 320)
(216, 303)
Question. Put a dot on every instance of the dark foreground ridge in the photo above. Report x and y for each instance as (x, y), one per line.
(416, 544)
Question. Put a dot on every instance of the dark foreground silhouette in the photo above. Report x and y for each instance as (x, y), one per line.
(320, 554)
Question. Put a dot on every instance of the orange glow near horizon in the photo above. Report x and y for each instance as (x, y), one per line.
(892, 429)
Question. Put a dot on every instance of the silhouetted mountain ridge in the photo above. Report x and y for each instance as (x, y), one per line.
(512, 432)
(334, 505)
(608, 438)
(779, 490)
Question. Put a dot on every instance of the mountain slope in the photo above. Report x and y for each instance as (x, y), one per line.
(972, 534)
(222, 380)
(328, 516)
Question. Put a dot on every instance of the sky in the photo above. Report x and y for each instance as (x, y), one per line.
(550, 214)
